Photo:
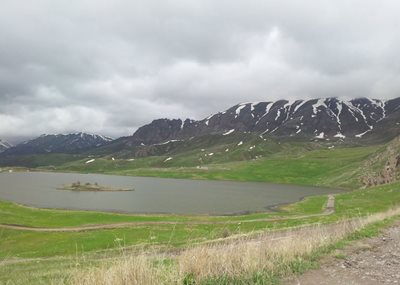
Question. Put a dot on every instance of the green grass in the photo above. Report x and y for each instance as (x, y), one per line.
(12, 213)
(306, 164)
(15, 214)
(294, 164)
(38, 160)
(35, 272)
(37, 244)
(27, 244)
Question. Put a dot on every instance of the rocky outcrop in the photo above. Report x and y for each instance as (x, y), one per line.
(387, 175)
(157, 131)
(389, 172)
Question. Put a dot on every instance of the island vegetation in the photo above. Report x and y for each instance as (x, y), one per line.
(95, 187)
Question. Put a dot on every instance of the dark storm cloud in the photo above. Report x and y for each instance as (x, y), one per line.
(111, 66)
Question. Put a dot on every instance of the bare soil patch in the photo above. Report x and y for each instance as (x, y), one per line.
(368, 262)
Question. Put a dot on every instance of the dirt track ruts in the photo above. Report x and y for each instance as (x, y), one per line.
(371, 261)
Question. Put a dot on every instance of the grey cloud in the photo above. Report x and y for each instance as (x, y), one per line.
(111, 66)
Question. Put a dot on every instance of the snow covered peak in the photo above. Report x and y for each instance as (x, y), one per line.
(59, 143)
(336, 117)
(94, 136)
(4, 145)
(333, 118)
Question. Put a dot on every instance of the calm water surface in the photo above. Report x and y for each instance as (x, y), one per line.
(151, 195)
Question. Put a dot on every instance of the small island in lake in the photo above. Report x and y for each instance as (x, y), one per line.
(95, 187)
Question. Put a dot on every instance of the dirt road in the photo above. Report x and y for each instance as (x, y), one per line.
(369, 262)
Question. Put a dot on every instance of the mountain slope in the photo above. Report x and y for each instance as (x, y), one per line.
(329, 118)
(357, 121)
(4, 145)
(60, 143)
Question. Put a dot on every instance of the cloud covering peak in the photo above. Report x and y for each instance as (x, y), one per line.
(111, 66)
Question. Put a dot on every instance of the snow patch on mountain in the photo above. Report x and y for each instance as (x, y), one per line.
(339, 135)
(278, 114)
(239, 109)
(267, 108)
(228, 132)
(298, 106)
(4, 145)
(339, 106)
(320, 103)
(167, 142)
(362, 134)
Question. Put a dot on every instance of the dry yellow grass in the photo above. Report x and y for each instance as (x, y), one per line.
(132, 270)
(242, 256)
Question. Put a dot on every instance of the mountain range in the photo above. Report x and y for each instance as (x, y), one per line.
(361, 120)
(60, 143)
(329, 118)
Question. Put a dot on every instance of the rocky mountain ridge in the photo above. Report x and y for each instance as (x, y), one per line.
(361, 120)
(326, 118)
(59, 143)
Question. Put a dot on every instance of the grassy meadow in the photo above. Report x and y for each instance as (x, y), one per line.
(29, 257)
(294, 163)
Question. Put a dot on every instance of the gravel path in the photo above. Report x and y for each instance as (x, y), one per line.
(369, 262)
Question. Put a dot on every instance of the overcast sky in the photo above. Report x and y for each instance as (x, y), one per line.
(111, 66)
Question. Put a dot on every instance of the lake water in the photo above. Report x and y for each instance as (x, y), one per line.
(151, 195)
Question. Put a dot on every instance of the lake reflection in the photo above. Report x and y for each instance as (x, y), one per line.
(151, 195)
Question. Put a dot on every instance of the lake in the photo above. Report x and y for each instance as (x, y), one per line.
(151, 195)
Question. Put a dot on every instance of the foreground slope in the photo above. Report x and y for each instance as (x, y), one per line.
(44, 258)
(369, 262)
